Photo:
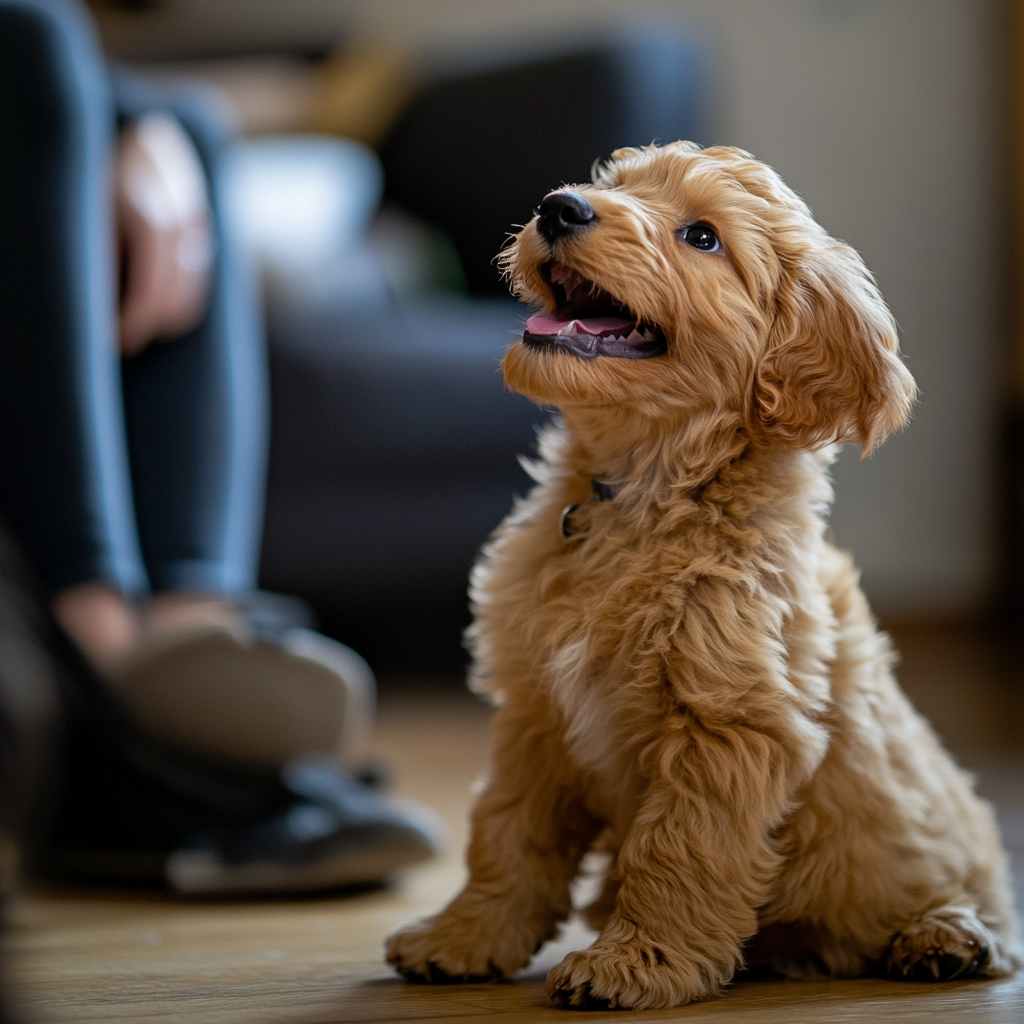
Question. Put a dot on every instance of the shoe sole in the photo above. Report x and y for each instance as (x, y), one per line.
(203, 873)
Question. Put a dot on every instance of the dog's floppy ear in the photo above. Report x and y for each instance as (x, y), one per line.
(831, 370)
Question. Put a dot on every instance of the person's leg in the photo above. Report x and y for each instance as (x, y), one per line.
(64, 485)
(196, 411)
(197, 407)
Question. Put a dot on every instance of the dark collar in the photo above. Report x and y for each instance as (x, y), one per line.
(600, 490)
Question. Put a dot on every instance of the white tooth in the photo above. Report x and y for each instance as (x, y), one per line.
(647, 335)
(634, 336)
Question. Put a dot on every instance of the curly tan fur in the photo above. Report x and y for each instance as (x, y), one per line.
(694, 675)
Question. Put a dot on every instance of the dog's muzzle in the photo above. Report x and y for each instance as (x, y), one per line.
(564, 213)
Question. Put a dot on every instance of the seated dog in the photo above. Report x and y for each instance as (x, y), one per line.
(685, 670)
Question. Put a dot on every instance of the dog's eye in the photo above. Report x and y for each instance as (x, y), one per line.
(701, 236)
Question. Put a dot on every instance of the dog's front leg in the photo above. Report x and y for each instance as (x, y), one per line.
(696, 863)
(529, 831)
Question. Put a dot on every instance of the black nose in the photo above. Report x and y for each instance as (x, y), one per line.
(564, 213)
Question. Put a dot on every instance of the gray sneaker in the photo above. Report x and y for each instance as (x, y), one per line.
(336, 832)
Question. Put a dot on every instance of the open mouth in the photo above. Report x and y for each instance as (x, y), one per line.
(589, 322)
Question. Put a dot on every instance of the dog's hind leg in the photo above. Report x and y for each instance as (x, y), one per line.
(529, 832)
(947, 944)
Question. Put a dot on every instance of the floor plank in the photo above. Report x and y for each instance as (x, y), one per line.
(81, 956)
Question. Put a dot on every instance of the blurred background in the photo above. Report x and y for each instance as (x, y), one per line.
(386, 149)
(389, 146)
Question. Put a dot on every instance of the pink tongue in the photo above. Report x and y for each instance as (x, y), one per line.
(596, 326)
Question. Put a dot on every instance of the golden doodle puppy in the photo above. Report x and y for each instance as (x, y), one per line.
(686, 673)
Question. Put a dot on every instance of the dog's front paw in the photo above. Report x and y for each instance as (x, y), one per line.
(454, 948)
(627, 976)
(950, 944)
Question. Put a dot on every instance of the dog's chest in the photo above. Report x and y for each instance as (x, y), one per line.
(603, 563)
(599, 586)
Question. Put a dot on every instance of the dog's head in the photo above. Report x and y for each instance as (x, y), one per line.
(687, 280)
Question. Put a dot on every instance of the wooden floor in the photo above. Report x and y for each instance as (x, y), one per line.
(81, 956)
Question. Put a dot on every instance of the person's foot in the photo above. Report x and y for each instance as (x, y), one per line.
(336, 832)
(125, 807)
(100, 620)
(205, 830)
(181, 611)
(243, 681)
